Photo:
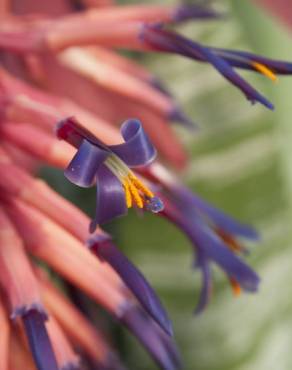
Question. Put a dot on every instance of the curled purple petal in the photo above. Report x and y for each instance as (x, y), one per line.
(83, 167)
(137, 149)
(194, 11)
(110, 198)
(190, 200)
(134, 280)
(160, 346)
(39, 342)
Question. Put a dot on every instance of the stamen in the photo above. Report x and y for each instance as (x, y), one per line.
(136, 192)
(231, 243)
(139, 185)
(265, 71)
(235, 287)
(128, 195)
(136, 196)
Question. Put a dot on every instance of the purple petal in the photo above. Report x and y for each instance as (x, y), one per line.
(39, 342)
(82, 169)
(190, 200)
(213, 248)
(206, 290)
(167, 41)
(194, 11)
(156, 342)
(244, 60)
(137, 149)
(110, 198)
(133, 279)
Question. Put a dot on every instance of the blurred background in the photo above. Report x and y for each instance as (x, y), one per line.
(240, 160)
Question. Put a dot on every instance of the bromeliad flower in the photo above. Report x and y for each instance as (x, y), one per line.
(118, 188)
(159, 39)
(212, 233)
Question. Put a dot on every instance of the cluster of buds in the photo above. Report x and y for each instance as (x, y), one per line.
(60, 78)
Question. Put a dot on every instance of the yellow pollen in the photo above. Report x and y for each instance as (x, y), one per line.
(265, 71)
(235, 287)
(139, 185)
(135, 195)
(127, 194)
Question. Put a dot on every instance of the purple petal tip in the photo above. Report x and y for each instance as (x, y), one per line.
(39, 341)
(160, 346)
(133, 279)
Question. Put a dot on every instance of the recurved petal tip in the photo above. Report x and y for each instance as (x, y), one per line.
(133, 279)
(160, 346)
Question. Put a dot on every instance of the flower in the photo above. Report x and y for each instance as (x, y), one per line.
(212, 233)
(59, 64)
(118, 188)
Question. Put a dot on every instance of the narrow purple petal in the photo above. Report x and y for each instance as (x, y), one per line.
(194, 11)
(137, 149)
(167, 41)
(160, 346)
(213, 248)
(39, 342)
(190, 200)
(206, 290)
(82, 169)
(110, 198)
(133, 278)
(244, 60)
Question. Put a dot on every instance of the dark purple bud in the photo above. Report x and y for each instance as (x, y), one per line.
(39, 341)
(132, 277)
(159, 345)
